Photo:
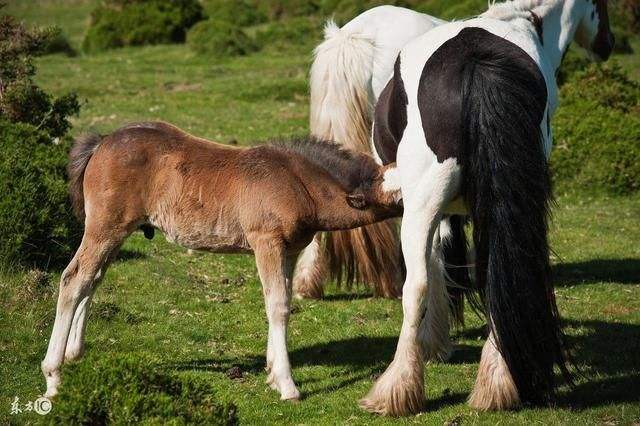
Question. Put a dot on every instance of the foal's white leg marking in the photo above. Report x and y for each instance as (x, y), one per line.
(400, 390)
(434, 328)
(494, 388)
(75, 342)
(75, 286)
(275, 272)
(311, 271)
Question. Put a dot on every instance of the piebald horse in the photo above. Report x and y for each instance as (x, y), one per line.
(467, 116)
(269, 200)
(350, 68)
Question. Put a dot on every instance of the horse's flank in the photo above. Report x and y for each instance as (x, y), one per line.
(208, 196)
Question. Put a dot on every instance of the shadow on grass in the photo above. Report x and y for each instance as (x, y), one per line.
(345, 297)
(609, 358)
(625, 271)
(608, 353)
(126, 255)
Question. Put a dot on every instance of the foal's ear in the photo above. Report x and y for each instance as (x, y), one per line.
(356, 200)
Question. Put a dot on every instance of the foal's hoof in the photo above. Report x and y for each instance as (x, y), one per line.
(51, 393)
(293, 396)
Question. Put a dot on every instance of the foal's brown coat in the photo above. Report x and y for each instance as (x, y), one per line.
(269, 200)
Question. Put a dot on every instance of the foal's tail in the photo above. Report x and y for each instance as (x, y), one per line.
(83, 148)
(342, 110)
(508, 190)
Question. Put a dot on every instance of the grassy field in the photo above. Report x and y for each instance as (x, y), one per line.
(203, 314)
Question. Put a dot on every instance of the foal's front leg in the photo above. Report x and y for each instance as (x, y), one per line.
(275, 270)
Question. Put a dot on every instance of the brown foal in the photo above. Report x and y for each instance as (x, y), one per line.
(269, 200)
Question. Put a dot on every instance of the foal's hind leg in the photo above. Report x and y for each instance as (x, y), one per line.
(75, 342)
(76, 285)
(275, 270)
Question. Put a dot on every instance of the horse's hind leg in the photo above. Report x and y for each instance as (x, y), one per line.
(76, 286)
(435, 326)
(400, 390)
(275, 270)
(311, 271)
(494, 388)
(75, 342)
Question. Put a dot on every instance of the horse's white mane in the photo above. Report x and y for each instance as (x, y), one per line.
(515, 9)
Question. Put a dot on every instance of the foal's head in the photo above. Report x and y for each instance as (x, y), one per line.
(594, 33)
(367, 185)
(381, 192)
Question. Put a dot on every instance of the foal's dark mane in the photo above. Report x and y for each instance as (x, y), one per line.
(349, 168)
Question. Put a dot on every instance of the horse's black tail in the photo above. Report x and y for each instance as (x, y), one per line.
(507, 187)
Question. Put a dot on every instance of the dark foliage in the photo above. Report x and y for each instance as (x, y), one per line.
(239, 12)
(118, 23)
(219, 39)
(37, 225)
(21, 100)
(303, 31)
(58, 43)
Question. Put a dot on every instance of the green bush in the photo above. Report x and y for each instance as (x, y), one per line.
(21, 100)
(282, 9)
(239, 12)
(597, 132)
(300, 31)
(219, 38)
(37, 225)
(118, 23)
(58, 43)
(127, 390)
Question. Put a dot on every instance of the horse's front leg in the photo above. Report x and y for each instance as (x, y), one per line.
(275, 270)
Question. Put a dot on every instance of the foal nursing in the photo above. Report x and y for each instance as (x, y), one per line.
(269, 200)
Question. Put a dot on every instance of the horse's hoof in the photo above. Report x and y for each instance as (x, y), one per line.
(399, 391)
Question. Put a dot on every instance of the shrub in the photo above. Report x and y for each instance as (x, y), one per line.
(239, 12)
(35, 217)
(126, 390)
(35, 220)
(58, 43)
(294, 31)
(21, 100)
(281, 9)
(118, 23)
(219, 38)
(598, 131)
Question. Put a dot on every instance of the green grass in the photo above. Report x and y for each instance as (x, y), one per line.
(203, 314)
